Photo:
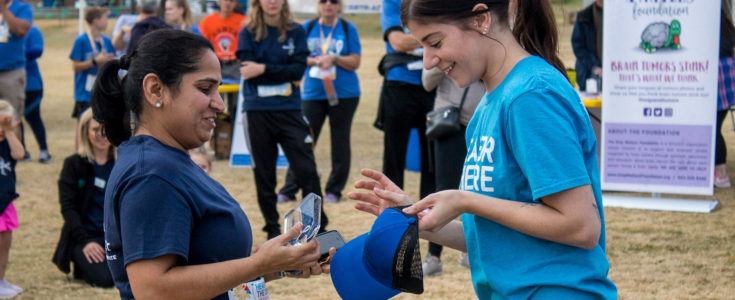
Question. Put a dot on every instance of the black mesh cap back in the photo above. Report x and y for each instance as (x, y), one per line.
(407, 274)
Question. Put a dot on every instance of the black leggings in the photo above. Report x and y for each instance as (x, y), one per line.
(340, 124)
(95, 274)
(266, 130)
(32, 115)
(449, 155)
(720, 146)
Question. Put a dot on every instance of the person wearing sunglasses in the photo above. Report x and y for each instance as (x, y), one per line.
(331, 89)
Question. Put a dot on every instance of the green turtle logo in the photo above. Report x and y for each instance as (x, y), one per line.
(660, 35)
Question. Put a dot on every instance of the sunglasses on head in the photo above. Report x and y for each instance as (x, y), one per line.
(329, 1)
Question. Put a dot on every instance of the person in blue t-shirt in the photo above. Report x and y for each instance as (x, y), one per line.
(172, 231)
(273, 52)
(530, 200)
(90, 50)
(34, 92)
(16, 17)
(335, 98)
(404, 102)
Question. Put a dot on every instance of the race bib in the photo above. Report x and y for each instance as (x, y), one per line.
(253, 290)
(319, 73)
(90, 82)
(283, 89)
(415, 66)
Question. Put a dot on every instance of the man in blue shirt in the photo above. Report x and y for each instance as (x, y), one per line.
(16, 17)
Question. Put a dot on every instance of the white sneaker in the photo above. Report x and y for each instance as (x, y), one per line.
(5, 283)
(7, 292)
(432, 266)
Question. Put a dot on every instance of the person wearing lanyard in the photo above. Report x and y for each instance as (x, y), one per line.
(273, 51)
(91, 50)
(331, 88)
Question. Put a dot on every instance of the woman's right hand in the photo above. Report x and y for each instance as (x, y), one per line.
(277, 254)
(94, 253)
(377, 193)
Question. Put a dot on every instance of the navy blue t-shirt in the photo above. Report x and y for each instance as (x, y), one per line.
(158, 202)
(285, 63)
(7, 171)
(95, 212)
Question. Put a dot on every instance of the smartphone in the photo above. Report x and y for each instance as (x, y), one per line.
(328, 240)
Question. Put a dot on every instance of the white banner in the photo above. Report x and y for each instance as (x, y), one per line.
(240, 150)
(348, 6)
(660, 66)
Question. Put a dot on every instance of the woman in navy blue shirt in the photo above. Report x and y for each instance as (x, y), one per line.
(331, 89)
(273, 52)
(171, 231)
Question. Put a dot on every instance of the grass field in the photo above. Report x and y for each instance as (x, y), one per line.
(653, 255)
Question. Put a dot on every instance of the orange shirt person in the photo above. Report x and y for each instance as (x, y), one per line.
(222, 29)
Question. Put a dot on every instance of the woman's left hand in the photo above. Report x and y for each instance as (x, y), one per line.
(438, 209)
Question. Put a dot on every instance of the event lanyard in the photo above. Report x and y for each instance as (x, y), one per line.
(328, 41)
(94, 45)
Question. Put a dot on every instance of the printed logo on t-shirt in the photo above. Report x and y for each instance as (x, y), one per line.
(5, 168)
(225, 45)
(290, 46)
(477, 174)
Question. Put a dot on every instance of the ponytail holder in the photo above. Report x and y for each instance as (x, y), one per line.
(124, 62)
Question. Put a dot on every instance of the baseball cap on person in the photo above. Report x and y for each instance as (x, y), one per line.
(381, 263)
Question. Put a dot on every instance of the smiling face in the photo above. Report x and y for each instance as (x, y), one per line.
(188, 113)
(98, 141)
(457, 52)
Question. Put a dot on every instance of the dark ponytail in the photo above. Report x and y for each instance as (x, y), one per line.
(535, 29)
(108, 103)
(117, 99)
(534, 26)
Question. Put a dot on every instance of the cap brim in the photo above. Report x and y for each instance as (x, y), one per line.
(351, 277)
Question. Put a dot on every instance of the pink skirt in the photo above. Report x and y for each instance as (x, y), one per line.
(9, 219)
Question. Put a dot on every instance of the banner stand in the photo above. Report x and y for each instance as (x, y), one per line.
(656, 202)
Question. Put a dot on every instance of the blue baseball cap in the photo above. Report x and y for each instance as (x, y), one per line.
(381, 263)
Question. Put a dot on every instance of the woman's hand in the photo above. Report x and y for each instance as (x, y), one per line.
(326, 61)
(278, 255)
(377, 193)
(250, 70)
(8, 123)
(438, 209)
(94, 253)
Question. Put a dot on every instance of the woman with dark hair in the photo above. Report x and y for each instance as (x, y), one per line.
(171, 231)
(82, 195)
(331, 89)
(273, 51)
(530, 201)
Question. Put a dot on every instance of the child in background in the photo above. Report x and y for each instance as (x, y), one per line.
(91, 50)
(11, 150)
(200, 157)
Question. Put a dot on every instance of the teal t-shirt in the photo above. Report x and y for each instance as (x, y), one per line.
(529, 138)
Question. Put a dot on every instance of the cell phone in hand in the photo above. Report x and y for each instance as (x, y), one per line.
(328, 240)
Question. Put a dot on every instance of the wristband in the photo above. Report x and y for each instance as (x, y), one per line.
(94, 62)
